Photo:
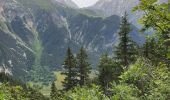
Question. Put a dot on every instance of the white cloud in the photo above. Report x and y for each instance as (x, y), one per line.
(85, 3)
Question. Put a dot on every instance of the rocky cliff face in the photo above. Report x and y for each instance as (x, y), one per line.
(34, 34)
(15, 37)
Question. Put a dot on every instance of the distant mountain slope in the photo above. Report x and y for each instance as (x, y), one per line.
(118, 7)
(69, 3)
(115, 7)
(34, 34)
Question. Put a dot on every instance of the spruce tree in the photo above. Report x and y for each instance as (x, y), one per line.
(106, 72)
(54, 92)
(70, 71)
(83, 66)
(126, 49)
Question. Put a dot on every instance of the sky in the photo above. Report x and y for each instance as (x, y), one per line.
(84, 3)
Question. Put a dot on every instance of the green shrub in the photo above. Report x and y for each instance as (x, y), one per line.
(124, 92)
(85, 93)
(153, 81)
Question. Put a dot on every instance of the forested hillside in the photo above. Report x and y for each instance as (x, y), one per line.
(51, 51)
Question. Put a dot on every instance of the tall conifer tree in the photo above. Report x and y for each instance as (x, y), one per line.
(126, 49)
(83, 66)
(70, 71)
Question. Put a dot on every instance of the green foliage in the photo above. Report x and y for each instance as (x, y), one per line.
(138, 74)
(108, 72)
(16, 92)
(85, 93)
(15, 89)
(156, 17)
(83, 66)
(152, 81)
(160, 83)
(124, 92)
(155, 51)
(8, 92)
(34, 94)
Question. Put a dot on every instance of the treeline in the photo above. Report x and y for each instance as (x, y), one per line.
(134, 72)
(14, 89)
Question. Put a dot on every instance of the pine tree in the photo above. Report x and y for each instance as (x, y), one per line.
(70, 71)
(83, 66)
(54, 93)
(106, 72)
(126, 49)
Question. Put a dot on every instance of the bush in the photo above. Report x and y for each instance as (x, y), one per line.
(8, 92)
(153, 81)
(124, 92)
(85, 93)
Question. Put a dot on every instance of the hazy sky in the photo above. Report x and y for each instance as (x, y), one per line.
(85, 3)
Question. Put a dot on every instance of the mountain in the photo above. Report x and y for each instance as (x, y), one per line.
(34, 35)
(69, 3)
(115, 7)
(119, 7)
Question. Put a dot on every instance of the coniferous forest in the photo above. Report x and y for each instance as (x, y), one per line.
(133, 71)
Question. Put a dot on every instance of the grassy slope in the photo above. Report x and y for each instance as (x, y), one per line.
(37, 46)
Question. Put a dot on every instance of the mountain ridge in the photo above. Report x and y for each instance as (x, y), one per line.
(119, 7)
(68, 3)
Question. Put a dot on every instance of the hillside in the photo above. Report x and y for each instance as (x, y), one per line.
(39, 31)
